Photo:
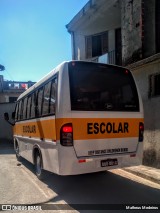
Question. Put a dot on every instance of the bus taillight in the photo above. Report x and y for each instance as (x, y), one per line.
(141, 131)
(66, 135)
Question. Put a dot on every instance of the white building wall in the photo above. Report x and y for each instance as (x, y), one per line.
(6, 132)
(80, 46)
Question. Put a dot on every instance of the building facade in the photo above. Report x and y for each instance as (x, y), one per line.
(10, 90)
(125, 33)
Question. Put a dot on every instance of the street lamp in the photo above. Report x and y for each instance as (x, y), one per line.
(2, 68)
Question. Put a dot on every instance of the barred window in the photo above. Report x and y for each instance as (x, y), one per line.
(96, 45)
(154, 85)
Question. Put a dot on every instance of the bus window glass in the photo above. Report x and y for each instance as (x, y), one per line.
(98, 87)
(25, 108)
(46, 98)
(29, 107)
(20, 110)
(16, 111)
(39, 101)
(53, 96)
(33, 106)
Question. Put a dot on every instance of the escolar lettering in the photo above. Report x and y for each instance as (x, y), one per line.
(102, 128)
(29, 129)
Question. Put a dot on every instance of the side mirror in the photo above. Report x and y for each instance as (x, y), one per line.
(13, 115)
(6, 116)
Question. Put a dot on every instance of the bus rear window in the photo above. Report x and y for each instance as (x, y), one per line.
(100, 87)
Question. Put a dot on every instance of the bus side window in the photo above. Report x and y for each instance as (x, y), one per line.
(20, 110)
(16, 111)
(33, 114)
(29, 107)
(53, 96)
(39, 102)
(46, 98)
(25, 108)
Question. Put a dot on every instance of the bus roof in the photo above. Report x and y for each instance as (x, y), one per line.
(42, 80)
(53, 72)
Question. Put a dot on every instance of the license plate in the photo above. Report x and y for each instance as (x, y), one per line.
(109, 162)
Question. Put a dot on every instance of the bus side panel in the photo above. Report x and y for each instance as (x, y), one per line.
(40, 133)
(50, 156)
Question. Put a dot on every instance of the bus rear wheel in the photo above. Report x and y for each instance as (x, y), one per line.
(40, 173)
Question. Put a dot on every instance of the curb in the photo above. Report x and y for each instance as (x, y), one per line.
(143, 175)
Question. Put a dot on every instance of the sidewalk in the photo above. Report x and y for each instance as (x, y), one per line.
(146, 172)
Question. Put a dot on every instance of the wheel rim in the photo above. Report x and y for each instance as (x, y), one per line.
(17, 150)
(38, 165)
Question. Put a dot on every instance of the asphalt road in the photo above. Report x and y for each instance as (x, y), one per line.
(19, 185)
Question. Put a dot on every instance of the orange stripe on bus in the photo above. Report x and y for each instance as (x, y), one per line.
(87, 128)
(83, 128)
(44, 129)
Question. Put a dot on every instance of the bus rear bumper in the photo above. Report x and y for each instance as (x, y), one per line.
(71, 165)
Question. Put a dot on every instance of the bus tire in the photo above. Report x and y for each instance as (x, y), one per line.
(40, 173)
(19, 158)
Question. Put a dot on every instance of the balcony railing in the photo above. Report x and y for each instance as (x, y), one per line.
(108, 58)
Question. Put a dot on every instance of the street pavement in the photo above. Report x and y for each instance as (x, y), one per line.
(19, 185)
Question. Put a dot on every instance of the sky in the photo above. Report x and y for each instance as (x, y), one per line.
(33, 36)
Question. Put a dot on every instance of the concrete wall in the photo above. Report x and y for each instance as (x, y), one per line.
(149, 41)
(6, 132)
(79, 41)
(98, 19)
(4, 97)
(131, 31)
(151, 113)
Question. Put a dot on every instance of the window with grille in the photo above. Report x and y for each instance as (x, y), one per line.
(96, 45)
(154, 85)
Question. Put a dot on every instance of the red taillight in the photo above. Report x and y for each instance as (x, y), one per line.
(73, 63)
(66, 135)
(126, 71)
(82, 161)
(67, 129)
(133, 155)
(141, 131)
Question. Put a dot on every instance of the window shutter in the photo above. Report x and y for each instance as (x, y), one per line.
(89, 47)
(104, 42)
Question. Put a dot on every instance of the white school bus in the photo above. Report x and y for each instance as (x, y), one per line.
(82, 117)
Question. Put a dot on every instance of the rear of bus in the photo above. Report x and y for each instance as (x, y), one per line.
(99, 118)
